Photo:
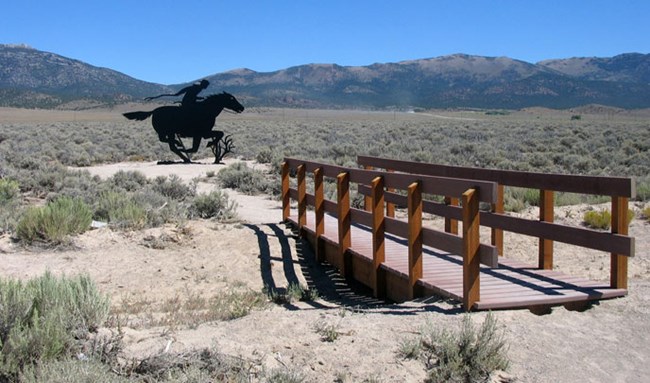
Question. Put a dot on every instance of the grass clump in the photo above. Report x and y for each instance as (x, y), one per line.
(120, 210)
(173, 187)
(214, 205)
(54, 222)
(189, 311)
(293, 293)
(602, 219)
(10, 205)
(9, 190)
(240, 177)
(469, 354)
(328, 332)
(46, 318)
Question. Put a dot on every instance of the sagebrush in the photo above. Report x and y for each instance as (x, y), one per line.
(46, 318)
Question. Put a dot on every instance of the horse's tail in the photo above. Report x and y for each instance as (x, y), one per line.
(139, 116)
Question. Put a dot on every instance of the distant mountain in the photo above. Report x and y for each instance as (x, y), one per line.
(629, 67)
(450, 81)
(29, 77)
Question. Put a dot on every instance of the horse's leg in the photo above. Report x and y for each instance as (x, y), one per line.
(216, 135)
(174, 148)
(196, 142)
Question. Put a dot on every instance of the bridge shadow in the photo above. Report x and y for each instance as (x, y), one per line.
(325, 279)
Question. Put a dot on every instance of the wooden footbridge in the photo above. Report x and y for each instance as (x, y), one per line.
(401, 260)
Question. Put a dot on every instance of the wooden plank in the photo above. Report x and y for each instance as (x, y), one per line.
(498, 207)
(583, 237)
(471, 266)
(286, 198)
(451, 225)
(546, 214)
(414, 236)
(344, 220)
(302, 200)
(319, 212)
(367, 201)
(390, 207)
(619, 225)
(429, 184)
(612, 186)
(378, 240)
(453, 244)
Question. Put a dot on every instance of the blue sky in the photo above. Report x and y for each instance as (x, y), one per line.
(170, 42)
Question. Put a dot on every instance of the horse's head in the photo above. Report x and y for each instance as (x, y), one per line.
(227, 101)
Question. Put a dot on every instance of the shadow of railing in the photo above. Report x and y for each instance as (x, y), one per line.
(324, 278)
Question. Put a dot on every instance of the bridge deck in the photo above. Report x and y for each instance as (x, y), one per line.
(512, 285)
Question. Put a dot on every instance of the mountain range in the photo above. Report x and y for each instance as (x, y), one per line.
(33, 78)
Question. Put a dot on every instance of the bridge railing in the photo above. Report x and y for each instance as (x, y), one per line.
(620, 189)
(468, 244)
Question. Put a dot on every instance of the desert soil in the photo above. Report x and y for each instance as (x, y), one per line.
(609, 342)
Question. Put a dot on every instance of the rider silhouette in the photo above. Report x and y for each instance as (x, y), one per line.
(191, 93)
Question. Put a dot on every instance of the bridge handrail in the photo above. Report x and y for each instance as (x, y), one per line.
(620, 189)
(468, 244)
(583, 184)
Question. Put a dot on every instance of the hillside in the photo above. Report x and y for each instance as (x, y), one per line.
(32, 78)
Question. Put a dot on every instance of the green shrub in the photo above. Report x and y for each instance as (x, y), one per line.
(602, 219)
(46, 318)
(9, 190)
(466, 355)
(265, 156)
(173, 187)
(128, 180)
(214, 205)
(72, 371)
(643, 189)
(240, 177)
(517, 199)
(54, 222)
(159, 208)
(120, 210)
(598, 219)
(10, 209)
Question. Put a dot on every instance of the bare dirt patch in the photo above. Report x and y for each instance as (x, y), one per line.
(606, 343)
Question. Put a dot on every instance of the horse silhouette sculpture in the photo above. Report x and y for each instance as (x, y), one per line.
(196, 121)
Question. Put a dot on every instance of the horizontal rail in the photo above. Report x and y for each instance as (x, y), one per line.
(450, 243)
(583, 237)
(444, 186)
(597, 185)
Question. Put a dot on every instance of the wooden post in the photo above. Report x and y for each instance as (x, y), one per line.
(546, 214)
(319, 210)
(390, 207)
(451, 225)
(378, 231)
(344, 220)
(414, 236)
(618, 273)
(367, 200)
(286, 197)
(471, 242)
(302, 197)
(497, 234)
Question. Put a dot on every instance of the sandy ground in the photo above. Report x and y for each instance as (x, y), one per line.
(609, 342)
